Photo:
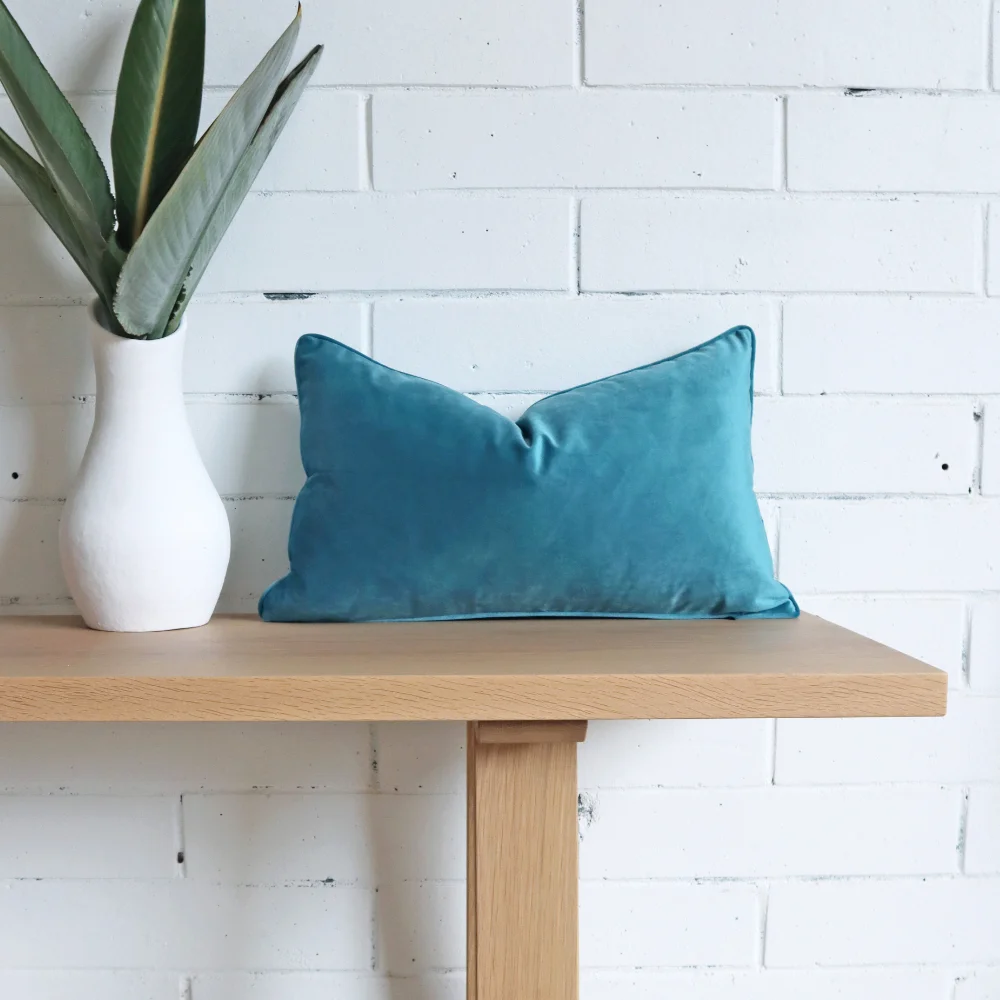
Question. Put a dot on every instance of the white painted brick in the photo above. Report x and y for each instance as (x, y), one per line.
(866, 984)
(527, 139)
(420, 926)
(930, 628)
(34, 267)
(44, 354)
(722, 242)
(263, 839)
(646, 924)
(416, 837)
(891, 344)
(869, 922)
(770, 511)
(367, 41)
(61, 836)
(993, 267)
(420, 756)
(511, 404)
(547, 344)
(41, 448)
(80, 46)
(320, 148)
(250, 449)
(76, 985)
(161, 759)
(990, 477)
(524, 42)
(982, 834)
(179, 923)
(363, 839)
(771, 832)
(327, 985)
(885, 545)
(662, 924)
(964, 746)
(899, 43)
(983, 984)
(246, 346)
(259, 556)
(984, 645)
(29, 556)
(249, 346)
(893, 142)
(681, 753)
(768, 984)
(310, 242)
(852, 446)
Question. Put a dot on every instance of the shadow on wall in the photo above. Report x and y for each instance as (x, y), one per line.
(258, 502)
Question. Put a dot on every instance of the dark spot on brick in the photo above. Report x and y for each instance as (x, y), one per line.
(15, 475)
(287, 296)
(586, 811)
(944, 465)
(180, 857)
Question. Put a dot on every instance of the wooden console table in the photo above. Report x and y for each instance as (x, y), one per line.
(526, 689)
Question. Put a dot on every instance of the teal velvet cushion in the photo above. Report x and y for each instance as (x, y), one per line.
(630, 497)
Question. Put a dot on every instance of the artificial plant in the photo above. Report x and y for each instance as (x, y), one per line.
(145, 247)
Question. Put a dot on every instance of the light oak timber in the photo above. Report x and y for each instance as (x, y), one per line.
(523, 861)
(238, 668)
(531, 732)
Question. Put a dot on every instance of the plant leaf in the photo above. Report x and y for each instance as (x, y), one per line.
(58, 135)
(158, 263)
(34, 182)
(157, 107)
(285, 100)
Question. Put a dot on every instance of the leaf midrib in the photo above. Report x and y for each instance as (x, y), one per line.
(145, 180)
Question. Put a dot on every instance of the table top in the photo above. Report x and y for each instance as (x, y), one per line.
(238, 668)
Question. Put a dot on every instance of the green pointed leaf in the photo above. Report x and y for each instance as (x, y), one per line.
(158, 263)
(271, 127)
(31, 178)
(58, 135)
(157, 107)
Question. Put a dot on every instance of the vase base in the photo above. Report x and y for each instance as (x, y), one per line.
(162, 625)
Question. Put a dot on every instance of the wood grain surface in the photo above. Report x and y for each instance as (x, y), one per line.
(242, 669)
(523, 865)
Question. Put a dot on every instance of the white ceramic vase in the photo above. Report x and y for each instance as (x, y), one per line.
(144, 537)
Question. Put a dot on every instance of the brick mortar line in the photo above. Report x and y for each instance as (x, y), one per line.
(910, 197)
(555, 294)
(570, 86)
(62, 791)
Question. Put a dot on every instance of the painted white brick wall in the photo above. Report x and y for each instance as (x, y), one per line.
(513, 198)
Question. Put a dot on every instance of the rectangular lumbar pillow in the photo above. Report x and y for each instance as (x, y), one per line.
(631, 496)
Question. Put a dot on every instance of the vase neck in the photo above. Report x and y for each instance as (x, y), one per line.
(141, 375)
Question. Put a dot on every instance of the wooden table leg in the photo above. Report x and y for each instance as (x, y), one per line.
(523, 923)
